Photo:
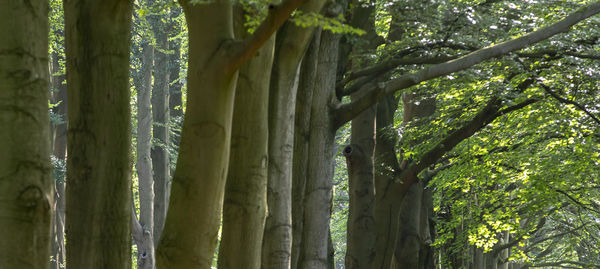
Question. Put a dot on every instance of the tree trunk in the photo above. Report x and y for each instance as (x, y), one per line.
(199, 180)
(360, 244)
(245, 203)
(387, 165)
(175, 85)
(409, 236)
(320, 164)
(98, 193)
(25, 172)
(144, 238)
(306, 85)
(60, 150)
(193, 217)
(291, 44)
(160, 113)
(360, 252)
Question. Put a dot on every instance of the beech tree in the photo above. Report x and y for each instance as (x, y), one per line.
(332, 115)
(25, 172)
(215, 58)
(98, 206)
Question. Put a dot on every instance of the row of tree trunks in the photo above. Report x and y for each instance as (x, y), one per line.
(318, 197)
(306, 85)
(26, 194)
(199, 180)
(290, 46)
(245, 202)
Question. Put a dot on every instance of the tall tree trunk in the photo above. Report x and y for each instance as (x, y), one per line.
(60, 150)
(387, 165)
(199, 180)
(160, 113)
(193, 217)
(144, 237)
(175, 85)
(291, 44)
(360, 244)
(245, 203)
(306, 85)
(411, 236)
(25, 172)
(321, 151)
(98, 193)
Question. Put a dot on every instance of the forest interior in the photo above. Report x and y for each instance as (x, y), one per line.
(299, 134)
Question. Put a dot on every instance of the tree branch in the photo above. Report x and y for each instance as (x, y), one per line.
(347, 112)
(569, 102)
(488, 114)
(278, 14)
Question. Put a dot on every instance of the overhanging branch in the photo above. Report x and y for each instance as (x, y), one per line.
(488, 114)
(376, 91)
(278, 14)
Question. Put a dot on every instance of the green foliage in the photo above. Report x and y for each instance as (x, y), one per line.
(335, 25)
(59, 168)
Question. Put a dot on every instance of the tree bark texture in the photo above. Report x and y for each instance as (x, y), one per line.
(411, 237)
(360, 252)
(386, 209)
(245, 202)
(193, 218)
(308, 72)
(98, 190)
(320, 164)
(26, 194)
(290, 46)
(199, 180)
(144, 238)
(160, 127)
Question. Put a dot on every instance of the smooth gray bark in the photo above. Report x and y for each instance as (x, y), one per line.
(290, 46)
(320, 164)
(143, 237)
(160, 126)
(308, 73)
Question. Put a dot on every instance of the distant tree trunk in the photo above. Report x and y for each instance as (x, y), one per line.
(360, 244)
(387, 165)
(26, 194)
(144, 236)
(306, 85)
(160, 113)
(175, 85)
(245, 203)
(360, 252)
(321, 151)
(98, 190)
(60, 150)
(412, 222)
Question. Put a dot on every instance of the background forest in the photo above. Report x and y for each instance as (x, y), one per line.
(302, 134)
